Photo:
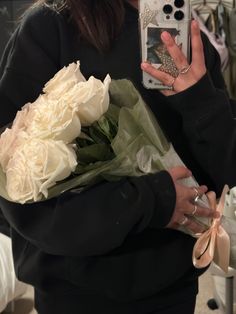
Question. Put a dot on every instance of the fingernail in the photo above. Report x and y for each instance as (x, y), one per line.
(145, 65)
(198, 234)
(165, 35)
(189, 173)
(195, 24)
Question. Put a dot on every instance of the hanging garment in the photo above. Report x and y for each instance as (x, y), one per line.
(216, 40)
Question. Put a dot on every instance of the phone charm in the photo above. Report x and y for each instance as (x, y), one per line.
(149, 16)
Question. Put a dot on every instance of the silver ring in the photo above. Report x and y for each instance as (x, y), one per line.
(172, 83)
(195, 200)
(197, 195)
(183, 221)
(198, 234)
(185, 69)
(194, 210)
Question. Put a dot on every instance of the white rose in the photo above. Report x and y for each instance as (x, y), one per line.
(11, 138)
(53, 119)
(63, 81)
(93, 99)
(36, 166)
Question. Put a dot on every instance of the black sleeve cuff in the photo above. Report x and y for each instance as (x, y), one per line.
(202, 90)
(163, 188)
(200, 101)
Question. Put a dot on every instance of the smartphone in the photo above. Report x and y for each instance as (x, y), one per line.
(156, 16)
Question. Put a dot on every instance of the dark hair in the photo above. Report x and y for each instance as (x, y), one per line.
(98, 21)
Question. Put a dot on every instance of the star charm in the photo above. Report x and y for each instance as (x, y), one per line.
(149, 16)
(167, 62)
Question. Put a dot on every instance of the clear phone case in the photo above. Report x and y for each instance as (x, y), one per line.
(156, 16)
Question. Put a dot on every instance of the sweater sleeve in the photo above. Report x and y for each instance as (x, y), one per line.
(98, 219)
(209, 123)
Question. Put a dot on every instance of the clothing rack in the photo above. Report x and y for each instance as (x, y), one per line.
(219, 16)
(229, 5)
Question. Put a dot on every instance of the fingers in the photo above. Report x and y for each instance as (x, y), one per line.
(197, 192)
(188, 203)
(189, 74)
(186, 218)
(197, 46)
(212, 198)
(164, 77)
(200, 211)
(191, 203)
(187, 223)
(194, 226)
(180, 172)
(174, 50)
(189, 208)
(176, 53)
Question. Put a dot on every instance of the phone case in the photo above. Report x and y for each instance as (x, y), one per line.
(155, 16)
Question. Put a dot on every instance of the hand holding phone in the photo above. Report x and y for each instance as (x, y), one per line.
(156, 16)
(188, 73)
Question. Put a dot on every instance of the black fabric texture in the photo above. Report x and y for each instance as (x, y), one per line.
(4, 225)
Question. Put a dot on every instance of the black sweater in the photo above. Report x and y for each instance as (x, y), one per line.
(112, 252)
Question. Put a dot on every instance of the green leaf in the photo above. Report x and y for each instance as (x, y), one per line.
(108, 127)
(93, 153)
(82, 168)
(97, 134)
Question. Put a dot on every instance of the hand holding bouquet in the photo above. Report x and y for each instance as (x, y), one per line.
(78, 132)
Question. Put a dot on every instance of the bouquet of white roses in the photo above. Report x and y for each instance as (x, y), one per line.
(80, 131)
(77, 132)
(38, 150)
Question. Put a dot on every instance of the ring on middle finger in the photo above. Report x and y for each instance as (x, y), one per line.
(172, 83)
(185, 69)
(183, 221)
(197, 195)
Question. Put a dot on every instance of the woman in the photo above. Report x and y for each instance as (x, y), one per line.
(113, 248)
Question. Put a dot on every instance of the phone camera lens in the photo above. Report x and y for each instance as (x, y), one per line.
(179, 15)
(179, 3)
(167, 9)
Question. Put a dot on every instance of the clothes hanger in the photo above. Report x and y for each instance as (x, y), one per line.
(205, 7)
(207, 12)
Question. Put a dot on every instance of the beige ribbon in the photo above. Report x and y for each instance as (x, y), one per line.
(214, 243)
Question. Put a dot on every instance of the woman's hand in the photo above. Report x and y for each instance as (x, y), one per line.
(185, 204)
(189, 74)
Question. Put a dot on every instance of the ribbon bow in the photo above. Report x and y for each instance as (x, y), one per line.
(214, 243)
